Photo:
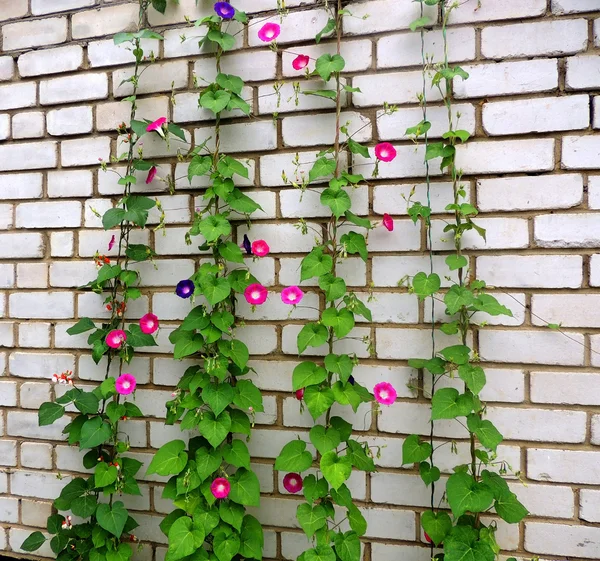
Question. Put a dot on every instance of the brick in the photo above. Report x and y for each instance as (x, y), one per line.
(383, 15)
(32, 275)
(28, 125)
(7, 275)
(106, 53)
(8, 394)
(4, 126)
(81, 87)
(474, 11)
(77, 183)
(546, 38)
(562, 7)
(295, 204)
(255, 66)
(49, 215)
(395, 87)
(47, 485)
(160, 77)
(20, 186)
(61, 244)
(35, 335)
(18, 535)
(531, 347)
(33, 394)
(416, 342)
(15, 96)
(241, 137)
(10, 9)
(507, 78)
(21, 245)
(576, 388)
(580, 152)
(595, 110)
(559, 539)
(595, 270)
(36, 33)
(84, 152)
(530, 192)
(567, 230)
(35, 513)
(296, 26)
(582, 72)
(568, 310)
(521, 117)
(308, 131)
(272, 167)
(106, 21)
(47, 305)
(404, 49)
(283, 238)
(7, 68)
(42, 7)
(388, 270)
(6, 217)
(36, 454)
(51, 61)
(501, 233)
(589, 505)
(9, 510)
(72, 120)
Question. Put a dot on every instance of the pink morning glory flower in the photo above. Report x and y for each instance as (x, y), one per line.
(292, 482)
(269, 32)
(385, 393)
(111, 243)
(291, 295)
(148, 323)
(300, 394)
(125, 384)
(157, 125)
(260, 248)
(151, 175)
(220, 488)
(388, 222)
(116, 338)
(385, 152)
(255, 294)
(300, 62)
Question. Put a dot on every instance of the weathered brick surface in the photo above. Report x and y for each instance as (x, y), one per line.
(532, 107)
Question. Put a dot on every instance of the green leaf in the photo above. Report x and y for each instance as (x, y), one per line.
(232, 513)
(104, 474)
(319, 553)
(324, 440)
(208, 519)
(245, 488)
(215, 289)
(84, 506)
(485, 431)
(228, 166)
(214, 226)
(159, 5)
(33, 542)
(455, 262)
(215, 429)
(329, 94)
(342, 321)
(318, 400)
(94, 432)
(294, 457)
(136, 338)
(329, 27)
(457, 354)
(355, 243)
(242, 203)
(438, 150)
(315, 264)
(341, 365)
(437, 525)
(425, 285)
(323, 167)
(357, 520)
(170, 459)
(312, 335)
(251, 538)
(197, 319)
(467, 495)
(188, 344)
(207, 462)
(327, 65)
(225, 40)
(488, 304)
(113, 217)
(510, 509)
(176, 131)
(462, 551)
(184, 538)
(337, 200)
(421, 22)
(357, 148)
(473, 377)
(237, 454)
(238, 352)
(83, 325)
(311, 518)
(226, 546)
(231, 252)
(447, 403)
(240, 103)
(347, 546)
(112, 519)
(199, 166)
(217, 396)
(458, 297)
(415, 451)
(49, 412)
(230, 82)
(429, 474)
(139, 252)
(247, 396)
(307, 374)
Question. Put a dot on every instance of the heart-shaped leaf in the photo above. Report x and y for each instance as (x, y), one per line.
(112, 519)
(215, 101)
(336, 469)
(324, 440)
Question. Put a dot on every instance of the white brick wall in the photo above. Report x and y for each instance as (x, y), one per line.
(532, 168)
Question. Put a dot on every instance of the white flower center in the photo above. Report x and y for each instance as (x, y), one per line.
(292, 296)
(126, 385)
(256, 295)
(383, 394)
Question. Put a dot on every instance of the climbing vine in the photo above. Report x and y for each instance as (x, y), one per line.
(107, 529)
(475, 488)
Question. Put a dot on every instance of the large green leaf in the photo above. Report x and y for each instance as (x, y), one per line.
(83, 325)
(294, 457)
(245, 488)
(226, 546)
(334, 287)
(232, 513)
(215, 429)
(307, 374)
(112, 519)
(215, 101)
(436, 524)
(237, 454)
(355, 243)
(485, 431)
(248, 396)
(311, 335)
(214, 226)
(510, 509)
(337, 200)
(336, 469)
(342, 321)
(321, 168)
(347, 546)
(324, 440)
(207, 462)
(461, 551)
(169, 459)
(415, 451)
(218, 396)
(206, 518)
(184, 538)
(251, 538)
(472, 376)
(311, 518)
(318, 400)
(447, 403)
(49, 412)
(328, 64)
(104, 474)
(33, 542)
(315, 264)
(467, 495)
(215, 289)
(341, 365)
(319, 553)
(199, 165)
(458, 297)
(95, 431)
(425, 285)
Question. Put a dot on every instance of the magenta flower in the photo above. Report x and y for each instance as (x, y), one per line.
(151, 175)
(260, 248)
(269, 32)
(157, 125)
(255, 294)
(220, 488)
(225, 10)
(292, 482)
(148, 323)
(300, 62)
(388, 222)
(111, 243)
(125, 384)
(385, 393)
(116, 338)
(385, 152)
(300, 394)
(291, 295)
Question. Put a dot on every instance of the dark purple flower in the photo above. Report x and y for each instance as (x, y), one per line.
(225, 10)
(247, 245)
(351, 380)
(185, 288)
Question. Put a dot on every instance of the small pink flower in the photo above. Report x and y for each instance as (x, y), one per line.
(388, 222)
(291, 295)
(260, 248)
(255, 294)
(220, 488)
(156, 125)
(125, 384)
(300, 62)
(385, 393)
(385, 152)
(269, 32)
(151, 175)
(111, 243)
(292, 482)
(116, 338)
(148, 323)
(300, 394)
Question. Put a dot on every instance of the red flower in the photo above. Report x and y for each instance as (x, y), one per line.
(388, 222)
(300, 62)
(385, 152)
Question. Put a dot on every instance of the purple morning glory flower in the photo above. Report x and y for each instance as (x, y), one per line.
(185, 288)
(351, 380)
(225, 10)
(247, 245)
